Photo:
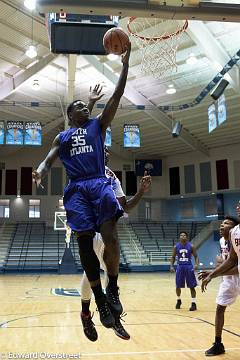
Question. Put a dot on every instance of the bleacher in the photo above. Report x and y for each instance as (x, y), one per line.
(33, 246)
(131, 247)
(158, 238)
(6, 233)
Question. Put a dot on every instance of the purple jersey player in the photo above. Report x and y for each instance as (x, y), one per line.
(89, 198)
(184, 251)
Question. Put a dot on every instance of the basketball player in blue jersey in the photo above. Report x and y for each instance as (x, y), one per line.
(184, 251)
(89, 199)
(98, 245)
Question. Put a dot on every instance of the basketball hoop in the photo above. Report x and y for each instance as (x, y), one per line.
(158, 52)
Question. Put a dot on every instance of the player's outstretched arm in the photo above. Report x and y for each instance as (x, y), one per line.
(145, 184)
(45, 166)
(111, 107)
(223, 269)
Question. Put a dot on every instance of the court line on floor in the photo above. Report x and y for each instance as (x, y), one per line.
(224, 329)
(131, 353)
(5, 324)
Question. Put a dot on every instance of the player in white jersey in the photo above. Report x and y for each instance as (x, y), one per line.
(98, 245)
(229, 288)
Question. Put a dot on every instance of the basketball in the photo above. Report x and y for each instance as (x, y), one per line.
(115, 41)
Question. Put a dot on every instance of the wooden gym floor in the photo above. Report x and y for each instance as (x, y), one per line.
(38, 324)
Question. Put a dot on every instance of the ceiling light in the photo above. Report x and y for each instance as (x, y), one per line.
(31, 52)
(112, 57)
(30, 4)
(171, 89)
(191, 60)
(36, 85)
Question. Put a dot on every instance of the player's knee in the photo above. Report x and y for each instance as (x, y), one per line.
(85, 241)
(110, 239)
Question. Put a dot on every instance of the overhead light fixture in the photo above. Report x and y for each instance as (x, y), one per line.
(176, 129)
(30, 4)
(112, 57)
(191, 60)
(18, 194)
(36, 85)
(171, 89)
(31, 52)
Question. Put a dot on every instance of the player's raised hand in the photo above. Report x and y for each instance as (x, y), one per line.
(205, 282)
(126, 55)
(203, 274)
(95, 93)
(36, 176)
(145, 182)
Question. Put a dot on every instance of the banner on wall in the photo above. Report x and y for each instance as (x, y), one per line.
(33, 133)
(14, 133)
(153, 167)
(222, 112)
(108, 138)
(1, 132)
(212, 118)
(131, 136)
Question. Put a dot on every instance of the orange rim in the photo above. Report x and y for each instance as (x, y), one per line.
(157, 38)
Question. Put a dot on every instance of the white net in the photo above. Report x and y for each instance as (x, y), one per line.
(158, 41)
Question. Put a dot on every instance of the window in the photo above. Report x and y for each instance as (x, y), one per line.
(34, 208)
(4, 208)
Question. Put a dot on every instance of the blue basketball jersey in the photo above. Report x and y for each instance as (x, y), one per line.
(82, 151)
(184, 253)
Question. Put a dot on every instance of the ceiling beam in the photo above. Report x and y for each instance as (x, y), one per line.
(70, 86)
(169, 9)
(11, 84)
(138, 99)
(215, 52)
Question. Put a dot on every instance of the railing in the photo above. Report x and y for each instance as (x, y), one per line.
(133, 243)
(11, 245)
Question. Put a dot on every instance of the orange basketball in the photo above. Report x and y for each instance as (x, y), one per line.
(115, 41)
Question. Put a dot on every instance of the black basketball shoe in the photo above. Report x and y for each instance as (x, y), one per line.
(89, 327)
(113, 300)
(119, 329)
(178, 304)
(216, 349)
(193, 307)
(105, 314)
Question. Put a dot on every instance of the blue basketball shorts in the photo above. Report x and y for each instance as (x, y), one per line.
(90, 203)
(185, 274)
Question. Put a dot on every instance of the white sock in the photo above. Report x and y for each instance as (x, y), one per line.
(179, 297)
(194, 300)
